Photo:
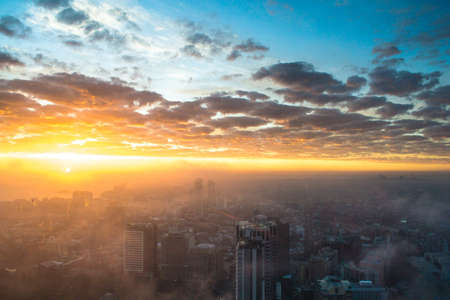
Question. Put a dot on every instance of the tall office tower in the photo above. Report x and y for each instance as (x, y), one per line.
(139, 250)
(282, 249)
(253, 279)
(266, 242)
(173, 257)
(211, 196)
(308, 239)
(197, 195)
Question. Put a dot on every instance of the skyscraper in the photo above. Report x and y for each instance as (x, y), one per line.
(253, 274)
(140, 256)
(174, 256)
(197, 197)
(211, 196)
(259, 261)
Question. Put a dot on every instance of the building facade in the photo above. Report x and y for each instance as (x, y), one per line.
(140, 250)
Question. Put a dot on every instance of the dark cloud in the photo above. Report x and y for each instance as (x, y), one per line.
(80, 91)
(226, 104)
(335, 120)
(13, 27)
(73, 43)
(191, 50)
(389, 81)
(180, 112)
(14, 103)
(70, 16)
(252, 95)
(383, 51)
(356, 82)
(123, 17)
(437, 132)
(7, 61)
(437, 31)
(199, 38)
(52, 4)
(242, 122)
(302, 76)
(433, 112)
(206, 41)
(49, 62)
(389, 109)
(392, 62)
(365, 103)
(412, 124)
(231, 76)
(293, 96)
(250, 46)
(234, 55)
(273, 110)
(201, 129)
(91, 26)
(440, 95)
(113, 37)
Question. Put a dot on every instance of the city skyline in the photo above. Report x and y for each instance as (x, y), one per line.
(258, 86)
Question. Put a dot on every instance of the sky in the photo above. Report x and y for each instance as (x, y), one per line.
(303, 84)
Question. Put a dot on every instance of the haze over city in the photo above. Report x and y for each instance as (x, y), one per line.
(149, 148)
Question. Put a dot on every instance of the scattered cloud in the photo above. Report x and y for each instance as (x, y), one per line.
(13, 27)
(253, 95)
(389, 109)
(231, 76)
(388, 81)
(302, 76)
(73, 43)
(250, 46)
(384, 51)
(70, 16)
(52, 4)
(7, 61)
(191, 50)
(235, 54)
(440, 95)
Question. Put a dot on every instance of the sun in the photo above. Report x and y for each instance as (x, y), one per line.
(67, 170)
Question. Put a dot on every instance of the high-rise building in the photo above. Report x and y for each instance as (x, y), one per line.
(260, 263)
(365, 290)
(140, 252)
(332, 288)
(206, 260)
(211, 195)
(308, 238)
(174, 252)
(253, 273)
(197, 197)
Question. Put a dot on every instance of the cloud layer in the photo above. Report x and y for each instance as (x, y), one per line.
(113, 88)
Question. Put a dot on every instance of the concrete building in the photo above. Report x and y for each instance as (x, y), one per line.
(365, 290)
(174, 252)
(253, 271)
(139, 250)
(262, 256)
(332, 288)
